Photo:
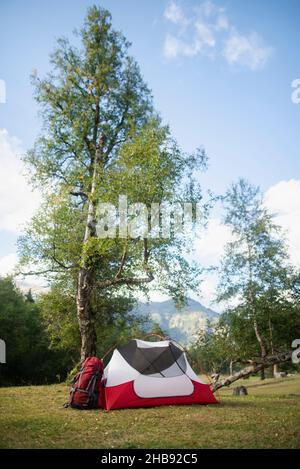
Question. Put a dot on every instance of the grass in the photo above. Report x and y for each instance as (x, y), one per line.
(269, 417)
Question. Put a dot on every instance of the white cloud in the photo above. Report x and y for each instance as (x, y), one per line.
(208, 291)
(34, 283)
(207, 31)
(17, 201)
(174, 46)
(210, 244)
(154, 295)
(8, 263)
(249, 51)
(205, 34)
(283, 200)
(174, 13)
(222, 22)
(208, 8)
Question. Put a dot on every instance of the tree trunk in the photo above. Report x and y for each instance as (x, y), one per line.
(253, 369)
(260, 341)
(85, 315)
(85, 281)
(275, 367)
(275, 370)
(258, 336)
(231, 367)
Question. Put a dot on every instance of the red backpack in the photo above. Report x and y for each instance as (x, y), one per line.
(86, 385)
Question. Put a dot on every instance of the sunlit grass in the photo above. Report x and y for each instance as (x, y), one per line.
(269, 417)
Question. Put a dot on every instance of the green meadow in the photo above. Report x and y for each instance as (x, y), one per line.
(269, 417)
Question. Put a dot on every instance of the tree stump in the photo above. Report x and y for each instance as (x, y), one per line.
(240, 391)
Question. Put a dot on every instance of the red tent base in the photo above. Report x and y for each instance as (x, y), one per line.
(123, 396)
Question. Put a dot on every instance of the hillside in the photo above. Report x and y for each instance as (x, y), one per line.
(181, 324)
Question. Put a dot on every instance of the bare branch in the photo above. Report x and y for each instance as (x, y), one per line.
(253, 369)
(79, 194)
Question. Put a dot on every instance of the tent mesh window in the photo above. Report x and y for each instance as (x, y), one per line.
(166, 361)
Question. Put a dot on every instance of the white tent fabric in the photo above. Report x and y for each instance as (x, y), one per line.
(143, 373)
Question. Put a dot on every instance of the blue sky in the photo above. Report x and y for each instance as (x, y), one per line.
(220, 72)
(244, 118)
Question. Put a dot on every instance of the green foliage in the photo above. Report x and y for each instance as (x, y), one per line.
(28, 358)
(211, 352)
(58, 309)
(258, 286)
(256, 260)
(94, 92)
(42, 337)
(114, 322)
(256, 274)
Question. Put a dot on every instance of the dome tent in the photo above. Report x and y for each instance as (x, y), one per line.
(143, 374)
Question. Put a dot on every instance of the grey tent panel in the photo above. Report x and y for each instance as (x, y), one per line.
(149, 361)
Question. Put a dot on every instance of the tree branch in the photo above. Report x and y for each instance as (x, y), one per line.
(118, 127)
(253, 369)
(79, 194)
(125, 280)
(40, 272)
(118, 280)
(123, 260)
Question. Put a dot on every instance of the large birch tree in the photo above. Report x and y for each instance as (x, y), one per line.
(101, 138)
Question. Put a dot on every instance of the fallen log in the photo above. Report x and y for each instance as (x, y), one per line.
(253, 369)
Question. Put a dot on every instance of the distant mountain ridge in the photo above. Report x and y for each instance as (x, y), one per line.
(182, 324)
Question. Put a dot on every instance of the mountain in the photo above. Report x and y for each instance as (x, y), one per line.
(182, 324)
